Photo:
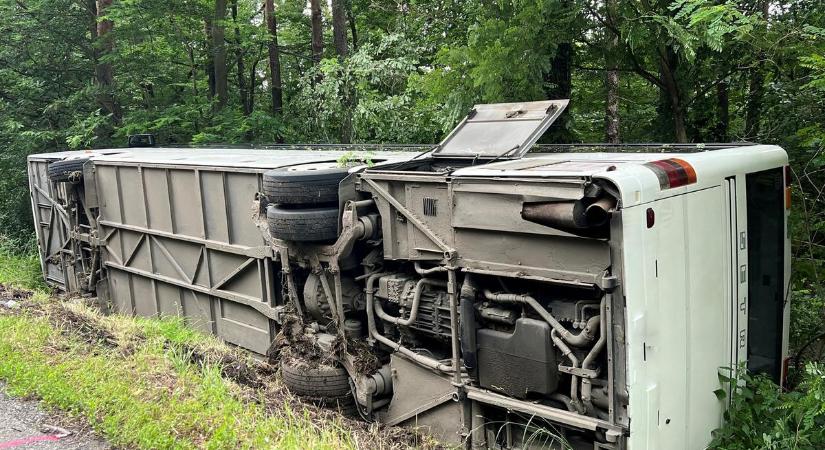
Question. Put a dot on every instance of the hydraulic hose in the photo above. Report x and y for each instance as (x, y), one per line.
(419, 288)
(587, 386)
(574, 363)
(373, 332)
(586, 336)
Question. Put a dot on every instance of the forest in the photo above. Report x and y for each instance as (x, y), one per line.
(78, 74)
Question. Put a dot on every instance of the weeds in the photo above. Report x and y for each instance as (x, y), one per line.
(762, 416)
(20, 265)
(351, 158)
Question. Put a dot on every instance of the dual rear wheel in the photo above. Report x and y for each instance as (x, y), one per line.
(303, 207)
(303, 201)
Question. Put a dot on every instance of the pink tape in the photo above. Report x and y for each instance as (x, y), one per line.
(28, 440)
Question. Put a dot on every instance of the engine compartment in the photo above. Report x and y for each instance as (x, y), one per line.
(458, 285)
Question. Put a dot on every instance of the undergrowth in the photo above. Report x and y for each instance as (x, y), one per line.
(763, 417)
(20, 265)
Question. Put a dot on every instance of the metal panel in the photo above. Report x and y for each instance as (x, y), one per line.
(180, 241)
(501, 129)
(174, 234)
(51, 224)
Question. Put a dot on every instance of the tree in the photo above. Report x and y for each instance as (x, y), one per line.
(661, 42)
(317, 31)
(243, 92)
(276, 86)
(756, 84)
(339, 39)
(558, 78)
(219, 48)
(339, 28)
(104, 43)
(352, 24)
(611, 116)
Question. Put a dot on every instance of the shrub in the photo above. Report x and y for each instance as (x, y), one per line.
(762, 416)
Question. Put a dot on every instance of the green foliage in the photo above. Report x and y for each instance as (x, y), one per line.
(807, 313)
(505, 57)
(377, 75)
(761, 416)
(153, 395)
(355, 158)
(698, 22)
(20, 265)
(731, 69)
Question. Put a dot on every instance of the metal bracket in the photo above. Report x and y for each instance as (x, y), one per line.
(578, 371)
(608, 282)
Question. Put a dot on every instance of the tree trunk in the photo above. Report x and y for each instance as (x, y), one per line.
(352, 29)
(252, 85)
(276, 86)
(670, 87)
(193, 70)
(756, 88)
(339, 39)
(611, 114)
(317, 31)
(720, 131)
(559, 85)
(210, 59)
(103, 70)
(241, 71)
(219, 46)
(753, 108)
(253, 81)
(339, 28)
(92, 5)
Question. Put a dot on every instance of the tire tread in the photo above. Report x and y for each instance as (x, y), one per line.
(62, 170)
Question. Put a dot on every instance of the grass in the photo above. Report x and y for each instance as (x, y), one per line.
(134, 380)
(150, 396)
(20, 269)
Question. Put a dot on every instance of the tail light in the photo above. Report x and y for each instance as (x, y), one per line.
(788, 181)
(672, 172)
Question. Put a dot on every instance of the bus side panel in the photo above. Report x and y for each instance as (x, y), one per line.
(684, 315)
(708, 312)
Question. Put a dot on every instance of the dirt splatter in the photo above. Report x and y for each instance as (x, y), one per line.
(13, 293)
(83, 327)
(364, 359)
(237, 368)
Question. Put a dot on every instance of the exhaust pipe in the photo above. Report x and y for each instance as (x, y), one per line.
(598, 212)
(575, 216)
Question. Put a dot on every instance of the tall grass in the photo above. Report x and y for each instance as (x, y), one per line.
(20, 264)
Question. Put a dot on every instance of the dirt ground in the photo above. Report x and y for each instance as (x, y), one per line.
(25, 425)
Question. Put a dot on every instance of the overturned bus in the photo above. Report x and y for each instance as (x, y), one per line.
(582, 296)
